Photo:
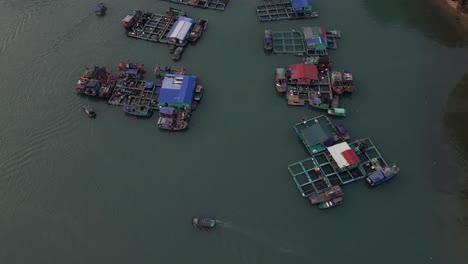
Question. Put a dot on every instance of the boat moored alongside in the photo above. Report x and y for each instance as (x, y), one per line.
(332, 203)
(337, 82)
(337, 111)
(280, 79)
(177, 53)
(198, 93)
(268, 40)
(348, 83)
(137, 110)
(383, 175)
(131, 19)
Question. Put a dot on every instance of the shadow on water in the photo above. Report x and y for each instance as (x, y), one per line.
(431, 17)
(456, 119)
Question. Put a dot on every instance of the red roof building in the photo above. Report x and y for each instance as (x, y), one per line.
(304, 73)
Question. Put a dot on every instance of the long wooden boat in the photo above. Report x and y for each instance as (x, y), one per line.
(203, 221)
(337, 111)
(381, 176)
(332, 192)
(332, 203)
(280, 79)
(89, 111)
(171, 123)
(268, 40)
(137, 110)
(131, 19)
(337, 82)
(348, 82)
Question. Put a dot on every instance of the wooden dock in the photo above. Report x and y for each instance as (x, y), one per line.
(319, 172)
(135, 93)
(273, 10)
(153, 27)
(208, 4)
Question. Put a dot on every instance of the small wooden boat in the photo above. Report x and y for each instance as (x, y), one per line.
(203, 221)
(341, 132)
(335, 33)
(268, 40)
(175, 13)
(177, 53)
(137, 110)
(172, 48)
(171, 123)
(333, 192)
(381, 176)
(337, 111)
(195, 33)
(89, 111)
(198, 93)
(332, 203)
(203, 23)
(100, 9)
(337, 82)
(131, 19)
(280, 78)
(348, 83)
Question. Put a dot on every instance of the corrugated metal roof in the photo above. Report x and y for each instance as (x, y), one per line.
(177, 89)
(181, 28)
(336, 151)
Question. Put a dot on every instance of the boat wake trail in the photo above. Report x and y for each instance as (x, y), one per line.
(279, 245)
(53, 48)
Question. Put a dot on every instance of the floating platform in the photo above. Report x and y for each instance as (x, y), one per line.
(154, 27)
(135, 93)
(208, 4)
(288, 42)
(321, 171)
(273, 10)
(314, 132)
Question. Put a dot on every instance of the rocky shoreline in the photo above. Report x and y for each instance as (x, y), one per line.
(459, 6)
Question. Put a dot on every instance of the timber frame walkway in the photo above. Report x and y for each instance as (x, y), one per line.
(319, 172)
(153, 27)
(208, 4)
(273, 10)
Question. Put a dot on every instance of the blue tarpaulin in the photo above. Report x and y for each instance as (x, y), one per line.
(298, 4)
(167, 110)
(132, 71)
(148, 84)
(177, 89)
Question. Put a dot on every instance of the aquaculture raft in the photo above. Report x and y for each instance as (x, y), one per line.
(288, 42)
(135, 93)
(172, 30)
(272, 10)
(209, 4)
(321, 171)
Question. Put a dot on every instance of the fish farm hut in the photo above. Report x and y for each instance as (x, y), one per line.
(315, 39)
(302, 7)
(181, 29)
(303, 73)
(316, 134)
(177, 91)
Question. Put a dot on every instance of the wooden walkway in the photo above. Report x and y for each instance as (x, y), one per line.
(273, 10)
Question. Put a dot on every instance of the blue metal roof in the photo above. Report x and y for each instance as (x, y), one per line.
(149, 84)
(301, 3)
(177, 89)
(316, 40)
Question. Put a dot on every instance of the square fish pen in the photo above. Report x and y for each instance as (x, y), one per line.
(288, 42)
(323, 170)
(209, 4)
(272, 10)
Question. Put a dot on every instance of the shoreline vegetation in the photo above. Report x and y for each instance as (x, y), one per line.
(459, 6)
